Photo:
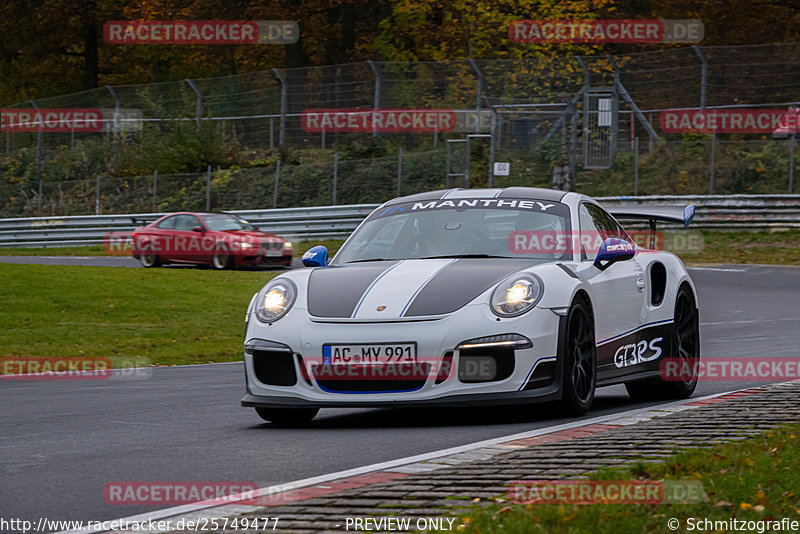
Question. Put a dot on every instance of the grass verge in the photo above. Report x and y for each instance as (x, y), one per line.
(169, 316)
(752, 480)
(767, 247)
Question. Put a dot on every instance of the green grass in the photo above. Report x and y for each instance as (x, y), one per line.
(748, 480)
(169, 316)
(54, 251)
(768, 247)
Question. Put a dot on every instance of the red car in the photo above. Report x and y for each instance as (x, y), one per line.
(788, 125)
(218, 239)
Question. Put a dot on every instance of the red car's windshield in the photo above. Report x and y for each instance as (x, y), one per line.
(222, 223)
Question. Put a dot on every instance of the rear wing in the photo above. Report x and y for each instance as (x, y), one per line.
(141, 221)
(674, 214)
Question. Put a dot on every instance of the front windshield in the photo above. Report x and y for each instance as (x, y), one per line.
(503, 228)
(221, 223)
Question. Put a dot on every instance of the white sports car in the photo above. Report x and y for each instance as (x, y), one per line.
(471, 297)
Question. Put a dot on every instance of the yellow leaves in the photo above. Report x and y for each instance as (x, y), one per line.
(746, 506)
(749, 462)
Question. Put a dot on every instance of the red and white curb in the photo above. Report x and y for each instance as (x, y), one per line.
(332, 483)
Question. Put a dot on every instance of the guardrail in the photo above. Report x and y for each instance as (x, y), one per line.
(724, 212)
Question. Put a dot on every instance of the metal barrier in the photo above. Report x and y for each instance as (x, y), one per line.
(723, 212)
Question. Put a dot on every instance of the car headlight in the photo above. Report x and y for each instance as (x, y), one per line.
(245, 245)
(287, 244)
(516, 295)
(275, 300)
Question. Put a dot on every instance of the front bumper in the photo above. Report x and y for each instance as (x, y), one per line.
(304, 337)
(260, 259)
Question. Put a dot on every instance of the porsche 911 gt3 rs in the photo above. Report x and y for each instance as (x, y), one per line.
(472, 297)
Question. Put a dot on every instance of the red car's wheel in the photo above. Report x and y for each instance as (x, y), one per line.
(222, 258)
(150, 260)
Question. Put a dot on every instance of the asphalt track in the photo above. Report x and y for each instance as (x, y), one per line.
(62, 441)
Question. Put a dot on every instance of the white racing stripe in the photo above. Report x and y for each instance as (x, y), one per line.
(395, 288)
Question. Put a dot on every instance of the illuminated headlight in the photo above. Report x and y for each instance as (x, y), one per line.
(275, 300)
(516, 295)
(245, 245)
(287, 244)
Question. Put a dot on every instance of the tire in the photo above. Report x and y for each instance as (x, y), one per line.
(287, 416)
(150, 260)
(579, 371)
(222, 259)
(685, 348)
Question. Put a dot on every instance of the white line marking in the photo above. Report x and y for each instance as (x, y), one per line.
(721, 269)
(750, 321)
(216, 511)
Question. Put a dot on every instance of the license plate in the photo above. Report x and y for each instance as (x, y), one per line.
(377, 353)
(273, 253)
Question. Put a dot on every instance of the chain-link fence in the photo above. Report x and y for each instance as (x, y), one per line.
(597, 118)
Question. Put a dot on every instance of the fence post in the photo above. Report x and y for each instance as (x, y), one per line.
(208, 189)
(791, 162)
(377, 97)
(479, 91)
(703, 76)
(399, 168)
(492, 131)
(155, 188)
(284, 96)
(713, 158)
(198, 103)
(97, 196)
(39, 148)
(271, 135)
(39, 201)
(116, 109)
(335, 174)
(275, 187)
(636, 166)
(467, 159)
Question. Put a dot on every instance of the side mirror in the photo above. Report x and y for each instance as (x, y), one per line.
(316, 257)
(613, 250)
(197, 229)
